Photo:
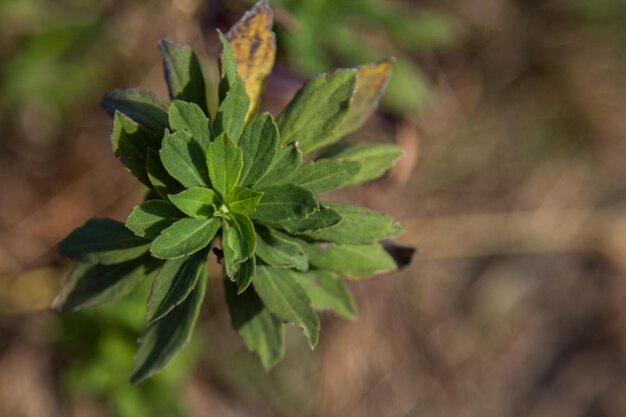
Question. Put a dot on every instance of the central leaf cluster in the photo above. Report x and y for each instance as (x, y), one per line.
(236, 186)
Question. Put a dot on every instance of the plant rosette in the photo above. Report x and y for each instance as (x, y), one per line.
(236, 181)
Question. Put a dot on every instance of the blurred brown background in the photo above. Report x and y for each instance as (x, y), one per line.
(513, 117)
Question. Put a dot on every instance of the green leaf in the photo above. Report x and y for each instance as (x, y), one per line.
(262, 332)
(284, 297)
(162, 182)
(284, 202)
(196, 202)
(287, 160)
(238, 241)
(244, 200)
(327, 291)
(225, 161)
(375, 158)
(103, 241)
(278, 252)
(259, 143)
(190, 118)
(325, 176)
(174, 282)
(183, 73)
(89, 285)
(359, 226)
(231, 114)
(228, 66)
(317, 109)
(130, 144)
(184, 237)
(245, 273)
(138, 104)
(183, 158)
(321, 219)
(150, 218)
(352, 261)
(165, 337)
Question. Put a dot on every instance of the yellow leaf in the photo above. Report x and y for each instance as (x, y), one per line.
(371, 81)
(254, 49)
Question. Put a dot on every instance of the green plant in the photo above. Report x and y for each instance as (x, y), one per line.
(237, 182)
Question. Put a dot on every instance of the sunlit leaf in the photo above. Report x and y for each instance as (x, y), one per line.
(312, 116)
(196, 202)
(151, 217)
(351, 261)
(327, 291)
(371, 81)
(225, 161)
(259, 143)
(173, 283)
(284, 297)
(184, 237)
(183, 158)
(352, 231)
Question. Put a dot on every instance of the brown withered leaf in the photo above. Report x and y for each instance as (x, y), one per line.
(254, 49)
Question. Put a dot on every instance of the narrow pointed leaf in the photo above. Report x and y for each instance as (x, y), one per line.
(228, 66)
(183, 73)
(138, 104)
(259, 143)
(130, 144)
(262, 332)
(245, 273)
(104, 241)
(254, 48)
(352, 261)
(325, 175)
(225, 161)
(327, 292)
(151, 217)
(164, 338)
(286, 162)
(283, 202)
(190, 118)
(322, 219)
(231, 114)
(316, 110)
(183, 158)
(238, 241)
(284, 297)
(162, 182)
(184, 237)
(196, 202)
(359, 226)
(244, 200)
(174, 282)
(375, 158)
(90, 285)
(278, 252)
